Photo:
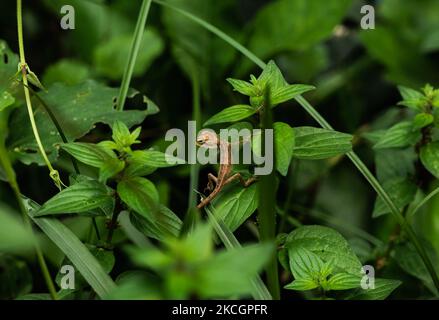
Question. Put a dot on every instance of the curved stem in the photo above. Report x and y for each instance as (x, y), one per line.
(64, 139)
(24, 70)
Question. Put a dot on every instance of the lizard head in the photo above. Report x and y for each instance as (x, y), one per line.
(207, 138)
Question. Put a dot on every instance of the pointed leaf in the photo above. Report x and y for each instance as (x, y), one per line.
(88, 153)
(314, 143)
(232, 114)
(80, 197)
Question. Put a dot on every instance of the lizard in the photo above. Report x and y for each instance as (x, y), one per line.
(209, 139)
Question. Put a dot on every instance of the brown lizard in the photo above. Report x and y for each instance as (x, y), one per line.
(209, 139)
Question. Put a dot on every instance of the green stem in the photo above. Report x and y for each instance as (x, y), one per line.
(134, 51)
(55, 122)
(267, 202)
(192, 212)
(24, 70)
(260, 291)
(317, 117)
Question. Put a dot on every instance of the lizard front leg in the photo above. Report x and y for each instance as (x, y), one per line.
(211, 183)
(245, 183)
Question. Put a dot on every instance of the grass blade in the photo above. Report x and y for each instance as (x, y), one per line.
(135, 47)
(75, 250)
(260, 290)
(423, 202)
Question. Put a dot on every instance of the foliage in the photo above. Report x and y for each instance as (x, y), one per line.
(124, 215)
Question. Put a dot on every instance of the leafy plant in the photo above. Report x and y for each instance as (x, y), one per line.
(84, 158)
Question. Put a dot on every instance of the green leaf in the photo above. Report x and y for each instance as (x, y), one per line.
(343, 281)
(232, 114)
(314, 143)
(329, 245)
(284, 142)
(236, 204)
(430, 158)
(401, 190)
(110, 57)
(78, 108)
(383, 288)
(422, 120)
(141, 195)
(33, 78)
(302, 285)
(288, 92)
(399, 136)
(154, 159)
(164, 226)
(89, 153)
(243, 87)
(138, 169)
(230, 273)
(121, 134)
(412, 98)
(271, 77)
(110, 168)
(80, 197)
(73, 248)
(304, 264)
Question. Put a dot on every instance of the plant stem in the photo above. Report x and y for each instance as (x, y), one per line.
(267, 201)
(10, 175)
(230, 242)
(134, 51)
(192, 212)
(24, 70)
(55, 122)
(118, 208)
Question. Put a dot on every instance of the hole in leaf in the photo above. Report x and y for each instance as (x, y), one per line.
(5, 58)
